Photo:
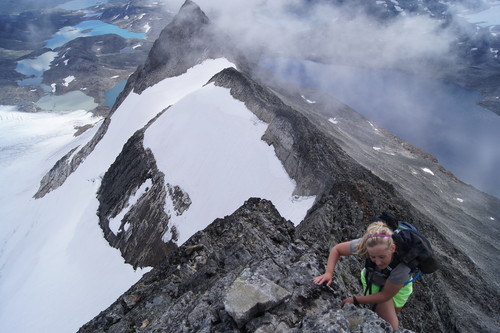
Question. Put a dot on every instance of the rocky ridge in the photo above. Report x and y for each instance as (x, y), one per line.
(246, 272)
(352, 184)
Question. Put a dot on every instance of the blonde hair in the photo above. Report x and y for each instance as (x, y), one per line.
(376, 233)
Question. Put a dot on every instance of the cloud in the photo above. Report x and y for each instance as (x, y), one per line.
(330, 34)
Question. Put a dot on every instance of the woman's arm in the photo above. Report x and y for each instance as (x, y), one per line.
(342, 249)
(390, 290)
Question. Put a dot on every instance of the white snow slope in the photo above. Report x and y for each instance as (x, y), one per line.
(56, 270)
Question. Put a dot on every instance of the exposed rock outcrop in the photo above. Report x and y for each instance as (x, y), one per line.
(143, 225)
(312, 159)
(253, 251)
(251, 294)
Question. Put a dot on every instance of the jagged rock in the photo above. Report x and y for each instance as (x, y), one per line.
(251, 294)
(189, 290)
(56, 176)
(309, 157)
(180, 199)
(141, 231)
(346, 320)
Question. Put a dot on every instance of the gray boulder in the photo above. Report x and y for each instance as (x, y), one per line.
(251, 294)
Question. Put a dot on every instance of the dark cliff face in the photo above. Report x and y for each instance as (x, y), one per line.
(141, 230)
(310, 158)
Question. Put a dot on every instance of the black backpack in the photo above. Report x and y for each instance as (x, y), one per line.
(414, 249)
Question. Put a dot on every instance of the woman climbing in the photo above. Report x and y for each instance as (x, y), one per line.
(384, 278)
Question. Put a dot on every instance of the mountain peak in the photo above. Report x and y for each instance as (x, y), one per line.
(185, 42)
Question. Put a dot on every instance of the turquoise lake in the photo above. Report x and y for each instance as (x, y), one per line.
(74, 100)
(89, 28)
(111, 95)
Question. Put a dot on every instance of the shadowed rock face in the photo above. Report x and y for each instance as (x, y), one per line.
(141, 229)
(308, 156)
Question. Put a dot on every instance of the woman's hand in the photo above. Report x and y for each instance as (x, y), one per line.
(347, 300)
(327, 277)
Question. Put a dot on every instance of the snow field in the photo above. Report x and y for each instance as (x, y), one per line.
(56, 269)
(34, 233)
(210, 145)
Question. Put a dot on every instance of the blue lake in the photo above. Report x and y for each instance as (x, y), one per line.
(74, 100)
(439, 117)
(35, 68)
(89, 28)
(111, 95)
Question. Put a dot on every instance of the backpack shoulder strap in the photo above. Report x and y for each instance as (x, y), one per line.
(370, 271)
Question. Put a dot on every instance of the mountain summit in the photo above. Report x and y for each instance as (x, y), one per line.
(181, 45)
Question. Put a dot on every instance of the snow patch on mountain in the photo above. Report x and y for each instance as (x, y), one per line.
(115, 223)
(333, 120)
(308, 100)
(210, 145)
(429, 171)
(67, 80)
